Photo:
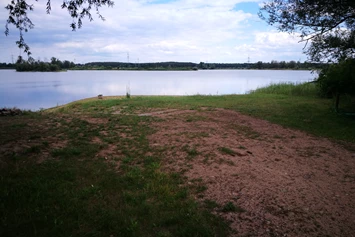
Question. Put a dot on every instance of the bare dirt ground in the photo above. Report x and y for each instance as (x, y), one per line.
(287, 182)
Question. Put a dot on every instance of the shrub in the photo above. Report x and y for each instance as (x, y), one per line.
(338, 79)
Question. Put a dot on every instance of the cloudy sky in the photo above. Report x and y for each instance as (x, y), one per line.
(153, 31)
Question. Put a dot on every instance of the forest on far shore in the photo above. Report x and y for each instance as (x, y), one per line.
(57, 65)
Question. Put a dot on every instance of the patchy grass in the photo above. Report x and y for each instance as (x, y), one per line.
(195, 118)
(191, 151)
(57, 184)
(230, 207)
(211, 204)
(83, 169)
(226, 150)
(307, 113)
(310, 114)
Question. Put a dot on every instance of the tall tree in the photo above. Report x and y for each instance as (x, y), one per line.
(327, 26)
(77, 9)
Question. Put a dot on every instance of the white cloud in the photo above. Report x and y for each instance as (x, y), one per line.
(272, 45)
(276, 39)
(181, 30)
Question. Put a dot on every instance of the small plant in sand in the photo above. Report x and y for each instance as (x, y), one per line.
(227, 151)
(230, 207)
(128, 91)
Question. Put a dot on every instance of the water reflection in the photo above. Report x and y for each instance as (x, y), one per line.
(44, 90)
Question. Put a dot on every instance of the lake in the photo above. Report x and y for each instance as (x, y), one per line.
(36, 90)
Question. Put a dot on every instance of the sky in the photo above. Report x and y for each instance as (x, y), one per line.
(219, 31)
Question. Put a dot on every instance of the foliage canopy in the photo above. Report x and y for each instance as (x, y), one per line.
(328, 25)
(77, 9)
(338, 78)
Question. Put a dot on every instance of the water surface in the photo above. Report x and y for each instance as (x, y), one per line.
(36, 90)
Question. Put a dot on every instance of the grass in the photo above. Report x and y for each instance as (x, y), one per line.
(59, 199)
(230, 207)
(190, 151)
(71, 191)
(62, 174)
(303, 111)
(227, 151)
(303, 89)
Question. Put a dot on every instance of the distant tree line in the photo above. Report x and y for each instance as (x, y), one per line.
(54, 65)
(263, 65)
(200, 66)
(7, 66)
(138, 66)
(287, 65)
(57, 65)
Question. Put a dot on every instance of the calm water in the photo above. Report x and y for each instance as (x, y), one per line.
(35, 90)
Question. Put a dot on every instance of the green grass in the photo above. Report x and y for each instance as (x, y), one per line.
(303, 89)
(190, 151)
(89, 199)
(226, 150)
(230, 207)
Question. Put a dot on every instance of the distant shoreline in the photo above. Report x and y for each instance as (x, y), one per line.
(161, 66)
(172, 70)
